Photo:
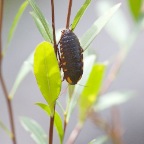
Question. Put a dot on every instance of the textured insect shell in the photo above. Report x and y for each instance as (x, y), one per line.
(71, 57)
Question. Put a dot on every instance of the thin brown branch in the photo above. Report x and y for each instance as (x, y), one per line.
(98, 121)
(116, 128)
(9, 105)
(1, 20)
(68, 14)
(53, 26)
(112, 131)
(51, 130)
(55, 48)
(8, 101)
(74, 133)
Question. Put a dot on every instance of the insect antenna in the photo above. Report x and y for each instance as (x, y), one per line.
(68, 14)
(82, 85)
(65, 90)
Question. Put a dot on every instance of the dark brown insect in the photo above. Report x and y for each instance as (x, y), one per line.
(71, 57)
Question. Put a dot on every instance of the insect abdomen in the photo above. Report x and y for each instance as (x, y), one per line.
(71, 57)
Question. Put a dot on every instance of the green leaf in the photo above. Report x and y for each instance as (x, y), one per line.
(47, 73)
(23, 72)
(41, 18)
(88, 64)
(110, 99)
(94, 30)
(80, 14)
(14, 24)
(100, 140)
(2, 125)
(40, 26)
(118, 27)
(37, 133)
(135, 7)
(57, 120)
(90, 92)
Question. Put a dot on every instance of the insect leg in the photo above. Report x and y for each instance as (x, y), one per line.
(81, 50)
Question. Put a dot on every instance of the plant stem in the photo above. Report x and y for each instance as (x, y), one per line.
(1, 21)
(53, 26)
(8, 101)
(116, 128)
(112, 131)
(9, 105)
(51, 130)
(75, 133)
(65, 122)
(55, 48)
(69, 14)
(65, 115)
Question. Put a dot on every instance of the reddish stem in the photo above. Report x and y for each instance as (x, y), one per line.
(8, 101)
(75, 133)
(68, 14)
(51, 130)
(53, 26)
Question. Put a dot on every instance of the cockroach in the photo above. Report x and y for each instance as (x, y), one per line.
(71, 56)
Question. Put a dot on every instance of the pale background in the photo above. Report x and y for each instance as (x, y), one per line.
(24, 42)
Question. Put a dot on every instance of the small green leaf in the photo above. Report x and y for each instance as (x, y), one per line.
(110, 99)
(90, 92)
(37, 133)
(2, 125)
(23, 72)
(100, 140)
(42, 19)
(80, 14)
(94, 30)
(135, 7)
(14, 24)
(88, 64)
(57, 120)
(47, 73)
(40, 26)
(118, 27)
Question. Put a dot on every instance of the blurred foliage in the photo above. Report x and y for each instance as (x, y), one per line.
(4, 127)
(14, 24)
(91, 90)
(136, 8)
(80, 14)
(100, 140)
(36, 131)
(43, 26)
